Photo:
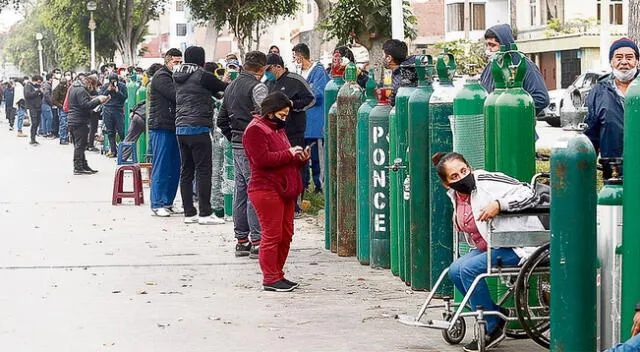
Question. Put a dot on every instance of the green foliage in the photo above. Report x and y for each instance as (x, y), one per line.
(241, 16)
(365, 21)
(21, 47)
(556, 27)
(469, 55)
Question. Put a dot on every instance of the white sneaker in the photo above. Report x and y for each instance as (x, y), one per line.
(210, 220)
(191, 219)
(175, 209)
(160, 212)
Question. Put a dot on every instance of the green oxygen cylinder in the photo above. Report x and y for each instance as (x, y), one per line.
(379, 178)
(468, 123)
(228, 182)
(573, 245)
(330, 95)
(419, 162)
(441, 140)
(630, 240)
(348, 102)
(515, 121)
(148, 157)
(397, 247)
(132, 89)
(610, 199)
(141, 96)
(362, 170)
(408, 82)
(490, 111)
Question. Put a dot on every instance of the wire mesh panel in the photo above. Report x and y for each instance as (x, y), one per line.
(468, 138)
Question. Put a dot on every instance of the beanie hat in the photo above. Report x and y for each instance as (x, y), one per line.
(273, 102)
(194, 55)
(623, 43)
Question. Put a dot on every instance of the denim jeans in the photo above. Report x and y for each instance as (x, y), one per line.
(245, 219)
(47, 120)
(466, 268)
(114, 123)
(165, 170)
(20, 116)
(316, 165)
(632, 345)
(64, 126)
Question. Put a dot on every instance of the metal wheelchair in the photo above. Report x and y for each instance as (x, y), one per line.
(528, 284)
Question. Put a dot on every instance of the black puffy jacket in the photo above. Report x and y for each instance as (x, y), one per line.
(33, 96)
(162, 101)
(194, 107)
(80, 104)
(242, 99)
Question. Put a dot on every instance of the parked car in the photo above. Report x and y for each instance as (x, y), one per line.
(577, 93)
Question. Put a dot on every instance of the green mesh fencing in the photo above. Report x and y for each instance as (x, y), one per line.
(468, 138)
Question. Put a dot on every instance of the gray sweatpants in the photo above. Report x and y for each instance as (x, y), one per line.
(245, 219)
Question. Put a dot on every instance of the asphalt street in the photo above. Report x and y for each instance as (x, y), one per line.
(79, 274)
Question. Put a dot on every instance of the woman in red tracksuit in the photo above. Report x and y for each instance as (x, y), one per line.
(275, 185)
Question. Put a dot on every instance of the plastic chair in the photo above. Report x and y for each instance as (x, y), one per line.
(134, 154)
(118, 185)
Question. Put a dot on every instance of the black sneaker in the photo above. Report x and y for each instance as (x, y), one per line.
(291, 283)
(254, 253)
(278, 286)
(243, 249)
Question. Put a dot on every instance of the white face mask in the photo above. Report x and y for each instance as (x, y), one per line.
(488, 53)
(625, 76)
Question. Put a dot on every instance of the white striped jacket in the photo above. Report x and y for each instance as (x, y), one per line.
(512, 195)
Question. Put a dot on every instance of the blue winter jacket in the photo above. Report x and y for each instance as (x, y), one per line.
(117, 99)
(533, 81)
(317, 79)
(605, 119)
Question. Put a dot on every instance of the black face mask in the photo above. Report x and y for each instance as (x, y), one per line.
(466, 185)
(279, 123)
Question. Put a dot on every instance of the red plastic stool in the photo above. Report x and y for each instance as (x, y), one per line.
(118, 185)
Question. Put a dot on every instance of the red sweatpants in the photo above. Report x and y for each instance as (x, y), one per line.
(276, 221)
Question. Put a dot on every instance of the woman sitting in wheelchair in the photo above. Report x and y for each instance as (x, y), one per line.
(477, 197)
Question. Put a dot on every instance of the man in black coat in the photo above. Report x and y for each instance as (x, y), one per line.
(33, 93)
(80, 107)
(165, 172)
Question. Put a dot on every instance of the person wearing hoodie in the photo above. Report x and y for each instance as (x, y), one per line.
(605, 102)
(33, 93)
(165, 170)
(275, 185)
(395, 55)
(241, 99)
(499, 35)
(113, 111)
(317, 78)
(19, 104)
(80, 107)
(194, 120)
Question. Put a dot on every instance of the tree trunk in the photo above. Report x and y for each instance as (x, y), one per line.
(514, 27)
(316, 39)
(212, 33)
(633, 22)
(376, 57)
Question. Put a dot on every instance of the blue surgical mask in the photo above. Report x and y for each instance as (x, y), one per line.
(270, 76)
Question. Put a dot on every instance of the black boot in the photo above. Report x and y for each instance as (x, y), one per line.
(86, 167)
(78, 169)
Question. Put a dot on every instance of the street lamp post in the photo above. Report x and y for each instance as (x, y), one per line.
(39, 39)
(92, 6)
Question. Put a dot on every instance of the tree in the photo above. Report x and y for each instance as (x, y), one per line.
(366, 22)
(242, 16)
(469, 55)
(634, 20)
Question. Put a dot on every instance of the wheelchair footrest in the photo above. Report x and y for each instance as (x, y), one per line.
(433, 324)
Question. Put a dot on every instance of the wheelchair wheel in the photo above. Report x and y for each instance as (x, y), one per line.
(455, 335)
(533, 296)
(516, 332)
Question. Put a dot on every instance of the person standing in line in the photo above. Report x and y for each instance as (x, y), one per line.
(113, 111)
(194, 120)
(81, 104)
(9, 110)
(46, 125)
(33, 93)
(19, 104)
(275, 185)
(58, 97)
(317, 77)
(241, 99)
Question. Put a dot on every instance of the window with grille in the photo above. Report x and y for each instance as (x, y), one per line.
(533, 7)
(179, 6)
(615, 12)
(181, 29)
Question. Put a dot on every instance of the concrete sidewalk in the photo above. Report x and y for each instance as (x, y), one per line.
(79, 274)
